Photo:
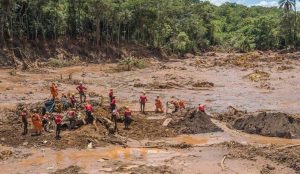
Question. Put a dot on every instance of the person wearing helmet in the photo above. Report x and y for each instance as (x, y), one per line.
(73, 100)
(54, 91)
(45, 121)
(71, 115)
(37, 123)
(88, 110)
(128, 119)
(24, 115)
(58, 122)
(158, 105)
(201, 108)
(111, 94)
(81, 89)
(64, 101)
(175, 103)
(113, 104)
(143, 100)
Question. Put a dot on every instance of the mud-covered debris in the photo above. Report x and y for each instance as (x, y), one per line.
(284, 67)
(269, 124)
(139, 85)
(125, 168)
(191, 121)
(258, 76)
(202, 84)
(166, 85)
(69, 170)
(93, 94)
(230, 115)
(290, 157)
(5, 154)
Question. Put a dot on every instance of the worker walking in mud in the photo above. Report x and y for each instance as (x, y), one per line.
(81, 89)
(113, 104)
(58, 122)
(111, 94)
(54, 91)
(71, 115)
(37, 123)
(24, 116)
(158, 105)
(127, 119)
(143, 100)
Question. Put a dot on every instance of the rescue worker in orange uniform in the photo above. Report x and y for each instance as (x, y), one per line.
(37, 122)
(175, 103)
(158, 105)
(54, 91)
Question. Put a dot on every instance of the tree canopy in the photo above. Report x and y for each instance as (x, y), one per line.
(177, 26)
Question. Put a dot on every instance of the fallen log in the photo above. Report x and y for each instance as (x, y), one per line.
(289, 146)
(222, 162)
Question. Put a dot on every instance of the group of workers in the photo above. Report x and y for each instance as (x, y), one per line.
(42, 121)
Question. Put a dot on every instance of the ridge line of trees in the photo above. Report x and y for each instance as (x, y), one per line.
(178, 26)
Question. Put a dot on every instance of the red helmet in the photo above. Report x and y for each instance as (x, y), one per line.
(202, 107)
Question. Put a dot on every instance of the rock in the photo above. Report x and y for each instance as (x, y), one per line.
(25, 144)
(189, 55)
(50, 168)
(3, 139)
(45, 142)
(90, 145)
(167, 121)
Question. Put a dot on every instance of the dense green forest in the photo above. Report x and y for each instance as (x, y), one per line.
(177, 26)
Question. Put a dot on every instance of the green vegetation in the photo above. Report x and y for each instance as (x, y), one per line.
(129, 63)
(59, 63)
(175, 26)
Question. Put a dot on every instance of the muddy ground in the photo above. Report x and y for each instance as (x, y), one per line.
(264, 83)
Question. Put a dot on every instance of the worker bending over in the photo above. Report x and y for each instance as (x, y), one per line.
(158, 105)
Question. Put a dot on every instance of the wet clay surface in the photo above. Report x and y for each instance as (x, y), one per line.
(259, 81)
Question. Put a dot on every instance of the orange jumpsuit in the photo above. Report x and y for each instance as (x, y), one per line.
(176, 105)
(37, 123)
(181, 104)
(158, 105)
(54, 91)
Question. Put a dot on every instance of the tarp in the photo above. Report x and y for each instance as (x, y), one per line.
(49, 105)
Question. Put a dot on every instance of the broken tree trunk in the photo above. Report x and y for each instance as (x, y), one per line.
(110, 126)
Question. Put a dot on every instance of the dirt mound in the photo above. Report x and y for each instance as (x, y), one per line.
(190, 121)
(269, 124)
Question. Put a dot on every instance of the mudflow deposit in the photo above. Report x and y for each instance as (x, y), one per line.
(251, 122)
